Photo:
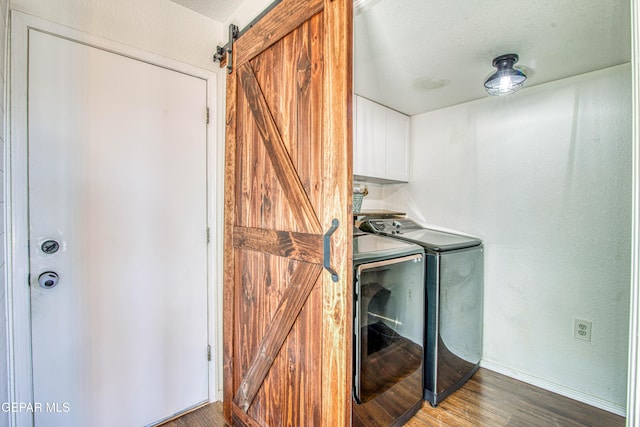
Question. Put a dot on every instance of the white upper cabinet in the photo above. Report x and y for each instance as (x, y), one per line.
(381, 143)
(397, 146)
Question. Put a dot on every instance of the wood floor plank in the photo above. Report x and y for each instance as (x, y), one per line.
(487, 399)
(491, 399)
(207, 416)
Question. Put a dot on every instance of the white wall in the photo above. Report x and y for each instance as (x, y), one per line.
(633, 398)
(4, 380)
(544, 178)
(162, 27)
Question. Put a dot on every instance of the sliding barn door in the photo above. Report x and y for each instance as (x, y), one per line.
(287, 355)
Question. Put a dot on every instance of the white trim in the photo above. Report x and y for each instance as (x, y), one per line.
(19, 320)
(213, 201)
(633, 384)
(554, 387)
(18, 296)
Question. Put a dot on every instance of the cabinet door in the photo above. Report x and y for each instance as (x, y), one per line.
(397, 146)
(370, 139)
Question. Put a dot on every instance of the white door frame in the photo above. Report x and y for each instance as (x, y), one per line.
(18, 291)
(633, 399)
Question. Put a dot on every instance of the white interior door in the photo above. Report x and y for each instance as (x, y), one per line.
(117, 176)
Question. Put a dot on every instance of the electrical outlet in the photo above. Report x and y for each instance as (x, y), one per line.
(582, 329)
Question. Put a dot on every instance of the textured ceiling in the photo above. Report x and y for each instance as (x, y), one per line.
(220, 10)
(421, 55)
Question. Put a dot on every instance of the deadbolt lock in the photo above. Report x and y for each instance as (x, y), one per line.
(48, 279)
(50, 247)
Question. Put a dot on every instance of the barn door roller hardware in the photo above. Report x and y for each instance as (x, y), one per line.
(227, 49)
(234, 34)
(327, 249)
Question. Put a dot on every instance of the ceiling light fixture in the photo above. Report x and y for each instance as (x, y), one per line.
(507, 79)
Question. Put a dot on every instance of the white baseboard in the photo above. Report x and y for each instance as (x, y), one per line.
(555, 388)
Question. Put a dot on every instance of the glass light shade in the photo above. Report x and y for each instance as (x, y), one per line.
(507, 79)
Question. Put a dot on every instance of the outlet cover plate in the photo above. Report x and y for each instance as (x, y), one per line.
(582, 329)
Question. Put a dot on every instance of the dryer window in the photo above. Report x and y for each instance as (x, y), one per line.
(389, 330)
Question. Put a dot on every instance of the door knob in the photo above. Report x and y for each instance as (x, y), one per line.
(48, 279)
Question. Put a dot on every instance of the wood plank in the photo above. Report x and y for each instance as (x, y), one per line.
(482, 404)
(294, 298)
(260, 199)
(206, 415)
(286, 172)
(308, 74)
(300, 360)
(281, 184)
(337, 319)
(298, 246)
(489, 398)
(229, 262)
(240, 418)
(284, 18)
(290, 394)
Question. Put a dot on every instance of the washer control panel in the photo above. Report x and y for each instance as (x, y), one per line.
(389, 226)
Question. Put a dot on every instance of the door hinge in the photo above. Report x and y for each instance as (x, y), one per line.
(208, 235)
(207, 115)
(209, 353)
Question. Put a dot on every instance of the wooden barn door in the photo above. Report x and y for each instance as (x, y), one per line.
(287, 349)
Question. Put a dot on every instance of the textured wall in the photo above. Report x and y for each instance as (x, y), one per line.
(161, 27)
(544, 177)
(4, 380)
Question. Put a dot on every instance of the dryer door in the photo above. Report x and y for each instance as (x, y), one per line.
(388, 325)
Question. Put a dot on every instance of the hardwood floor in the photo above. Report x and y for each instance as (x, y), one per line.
(206, 416)
(491, 399)
(487, 399)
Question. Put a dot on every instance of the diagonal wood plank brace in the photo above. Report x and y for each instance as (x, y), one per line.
(293, 300)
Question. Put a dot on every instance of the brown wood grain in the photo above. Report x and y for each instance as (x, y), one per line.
(287, 15)
(240, 418)
(282, 187)
(297, 384)
(298, 246)
(337, 317)
(299, 202)
(402, 400)
(294, 298)
(209, 415)
(487, 399)
(491, 399)
(229, 262)
(292, 382)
